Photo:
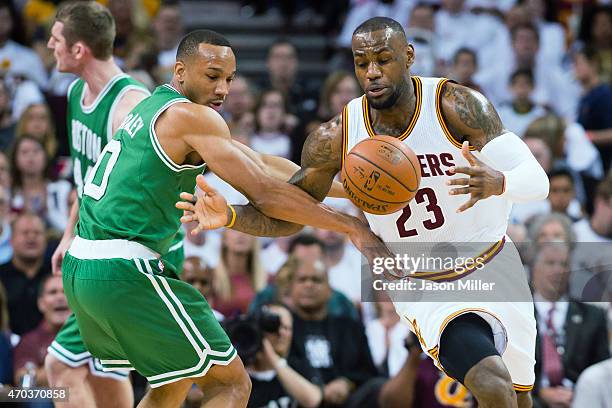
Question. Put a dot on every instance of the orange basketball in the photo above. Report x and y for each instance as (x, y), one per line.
(381, 175)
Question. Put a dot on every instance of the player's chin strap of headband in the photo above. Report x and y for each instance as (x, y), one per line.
(524, 178)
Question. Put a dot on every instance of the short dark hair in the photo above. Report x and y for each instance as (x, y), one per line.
(43, 282)
(305, 240)
(561, 171)
(188, 46)
(525, 26)
(522, 72)
(90, 22)
(468, 51)
(379, 23)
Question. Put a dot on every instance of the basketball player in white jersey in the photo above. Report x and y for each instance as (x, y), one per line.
(488, 346)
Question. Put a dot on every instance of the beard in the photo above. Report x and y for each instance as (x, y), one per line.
(390, 101)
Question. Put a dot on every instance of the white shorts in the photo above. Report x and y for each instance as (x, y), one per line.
(512, 322)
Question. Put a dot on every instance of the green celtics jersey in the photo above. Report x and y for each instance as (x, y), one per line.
(134, 185)
(90, 127)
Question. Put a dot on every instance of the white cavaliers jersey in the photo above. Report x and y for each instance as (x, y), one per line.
(431, 215)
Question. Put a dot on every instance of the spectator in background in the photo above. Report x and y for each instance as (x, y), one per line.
(271, 136)
(239, 105)
(304, 247)
(457, 27)
(592, 257)
(20, 63)
(386, 336)
(6, 251)
(36, 121)
(519, 112)
(33, 345)
(562, 195)
(6, 348)
(239, 273)
(595, 108)
(339, 88)
(22, 275)
(7, 124)
(554, 227)
(31, 190)
(596, 32)
(275, 381)
(571, 335)
(422, 35)
(132, 39)
(282, 63)
(465, 64)
(570, 147)
(335, 346)
(593, 388)
(598, 228)
(526, 44)
(343, 263)
(168, 26)
(551, 33)
(198, 275)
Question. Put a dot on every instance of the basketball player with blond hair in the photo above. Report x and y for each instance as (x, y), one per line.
(487, 346)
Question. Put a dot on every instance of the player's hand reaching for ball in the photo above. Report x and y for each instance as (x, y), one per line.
(207, 207)
(483, 181)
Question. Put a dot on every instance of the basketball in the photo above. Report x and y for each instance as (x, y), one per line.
(381, 175)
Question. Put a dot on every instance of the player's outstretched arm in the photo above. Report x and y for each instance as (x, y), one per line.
(504, 166)
(283, 169)
(204, 131)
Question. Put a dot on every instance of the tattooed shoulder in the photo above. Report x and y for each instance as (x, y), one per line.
(470, 115)
(323, 147)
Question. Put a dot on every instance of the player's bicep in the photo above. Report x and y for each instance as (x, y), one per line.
(321, 156)
(470, 115)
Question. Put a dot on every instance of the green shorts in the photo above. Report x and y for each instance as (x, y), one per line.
(68, 345)
(132, 317)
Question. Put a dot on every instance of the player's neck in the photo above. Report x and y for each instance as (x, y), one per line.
(397, 116)
(97, 74)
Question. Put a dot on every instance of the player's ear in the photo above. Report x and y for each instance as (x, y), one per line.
(409, 55)
(78, 50)
(179, 71)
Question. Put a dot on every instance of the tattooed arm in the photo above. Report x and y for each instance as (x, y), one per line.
(320, 163)
(469, 115)
(513, 173)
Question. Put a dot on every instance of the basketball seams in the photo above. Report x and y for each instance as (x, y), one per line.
(417, 174)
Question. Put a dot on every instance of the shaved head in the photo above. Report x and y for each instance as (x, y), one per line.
(380, 23)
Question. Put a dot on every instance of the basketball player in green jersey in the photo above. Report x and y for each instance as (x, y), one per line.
(132, 313)
(97, 103)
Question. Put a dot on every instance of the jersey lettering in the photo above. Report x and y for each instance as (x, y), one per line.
(85, 141)
(433, 165)
(132, 124)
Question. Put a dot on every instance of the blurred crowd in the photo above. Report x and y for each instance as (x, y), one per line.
(547, 67)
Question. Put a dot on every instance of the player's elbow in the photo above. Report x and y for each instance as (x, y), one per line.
(542, 185)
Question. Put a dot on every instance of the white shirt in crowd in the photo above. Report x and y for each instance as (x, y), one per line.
(584, 233)
(593, 387)
(518, 122)
(23, 61)
(276, 144)
(6, 250)
(397, 353)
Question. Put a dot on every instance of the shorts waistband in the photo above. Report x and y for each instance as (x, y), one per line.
(82, 248)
